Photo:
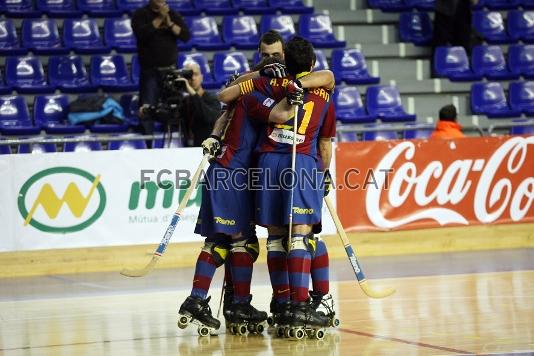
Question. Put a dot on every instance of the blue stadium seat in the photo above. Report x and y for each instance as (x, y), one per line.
(501, 4)
(226, 64)
(209, 81)
(21, 8)
(83, 36)
(129, 6)
(216, 7)
(4, 89)
(205, 34)
(50, 112)
(416, 28)
(490, 25)
(388, 5)
(382, 135)
(82, 146)
(118, 34)
(176, 141)
(318, 30)
(127, 144)
(41, 36)
(291, 6)
(489, 99)
(347, 136)
(349, 66)
(240, 32)
(521, 60)
(5, 149)
(68, 73)
(385, 103)
(423, 5)
(184, 7)
(414, 130)
(111, 73)
(58, 8)
(527, 4)
(136, 69)
(521, 97)
(26, 75)
(320, 60)
(14, 117)
(130, 106)
(349, 106)
(521, 25)
(254, 6)
(36, 148)
(521, 130)
(489, 61)
(9, 42)
(452, 63)
(282, 23)
(98, 8)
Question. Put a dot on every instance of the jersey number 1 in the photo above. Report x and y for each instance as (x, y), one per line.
(308, 109)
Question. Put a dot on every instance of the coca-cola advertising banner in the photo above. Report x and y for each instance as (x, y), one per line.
(387, 185)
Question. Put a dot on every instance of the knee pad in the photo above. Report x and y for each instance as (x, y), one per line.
(307, 242)
(218, 252)
(277, 245)
(250, 246)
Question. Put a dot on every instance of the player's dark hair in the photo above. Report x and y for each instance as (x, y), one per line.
(270, 37)
(299, 55)
(448, 113)
(267, 60)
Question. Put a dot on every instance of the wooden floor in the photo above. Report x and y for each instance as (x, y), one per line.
(437, 314)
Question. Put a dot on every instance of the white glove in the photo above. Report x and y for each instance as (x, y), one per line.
(212, 146)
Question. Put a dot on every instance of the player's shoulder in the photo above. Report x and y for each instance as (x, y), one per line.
(320, 93)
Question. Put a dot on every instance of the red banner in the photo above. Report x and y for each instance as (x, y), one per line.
(388, 185)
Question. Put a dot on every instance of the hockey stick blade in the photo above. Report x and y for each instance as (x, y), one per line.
(366, 288)
(140, 272)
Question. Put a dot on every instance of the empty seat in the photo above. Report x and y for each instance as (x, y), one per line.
(83, 36)
(385, 103)
(424, 5)
(37, 148)
(129, 6)
(184, 7)
(501, 4)
(521, 95)
(349, 106)
(127, 144)
(254, 6)
(521, 25)
(175, 141)
(320, 60)
(26, 75)
(226, 64)
(415, 130)
(240, 32)
(111, 73)
(21, 8)
(388, 5)
(489, 61)
(58, 8)
(205, 34)
(489, 99)
(291, 6)
(521, 60)
(283, 24)
(9, 42)
(490, 25)
(42, 36)
(379, 133)
(15, 118)
(209, 81)
(86, 146)
(50, 112)
(318, 30)
(68, 73)
(347, 136)
(525, 127)
(4, 88)
(216, 7)
(4, 149)
(349, 66)
(103, 8)
(416, 28)
(118, 35)
(452, 63)
(136, 69)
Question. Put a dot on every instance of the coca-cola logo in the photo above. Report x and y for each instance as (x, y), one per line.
(437, 187)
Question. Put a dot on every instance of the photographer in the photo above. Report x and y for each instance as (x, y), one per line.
(156, 28)
(201, 108)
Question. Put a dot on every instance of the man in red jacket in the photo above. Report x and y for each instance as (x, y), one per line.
(447, 127)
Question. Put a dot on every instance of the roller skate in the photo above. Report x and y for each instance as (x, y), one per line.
(244, 317)
(279, 318)
(197, 311)
(324, 304)
(305, 321)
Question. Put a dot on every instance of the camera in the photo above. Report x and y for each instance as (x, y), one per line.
(172, 83)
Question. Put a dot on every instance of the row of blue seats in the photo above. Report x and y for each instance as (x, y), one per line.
(105, 8)
(68, 73)
(486, 61)
(429, 5)
(490, 99)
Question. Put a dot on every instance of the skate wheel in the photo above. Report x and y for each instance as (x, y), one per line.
(251, 328)
(203, 331)
(288, 332)
(335, 322)
(299, 334)
(319, 335)
(270, 320)
(182, 322)
(242, 329)
(280, 332)
(259, 328)
(233, 329)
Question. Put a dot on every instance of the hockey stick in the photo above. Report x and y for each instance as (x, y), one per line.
(293, 168)
(367, 289)
(222, 295)
(170, 229)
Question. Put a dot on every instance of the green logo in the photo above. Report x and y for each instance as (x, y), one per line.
(51, 203)
(151, 190)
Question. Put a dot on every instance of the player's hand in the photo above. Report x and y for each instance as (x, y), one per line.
(212, 146)
(294, 93)
(327, 182)
(274, 70)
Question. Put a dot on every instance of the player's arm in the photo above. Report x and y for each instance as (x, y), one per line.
(319, 79)
(220, 124)
(325, 149)
(282, 112)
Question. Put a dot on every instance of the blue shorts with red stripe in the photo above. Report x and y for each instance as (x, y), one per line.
(273, 198)
(227, 204)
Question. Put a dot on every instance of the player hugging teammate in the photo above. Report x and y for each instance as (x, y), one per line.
(261, 118)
